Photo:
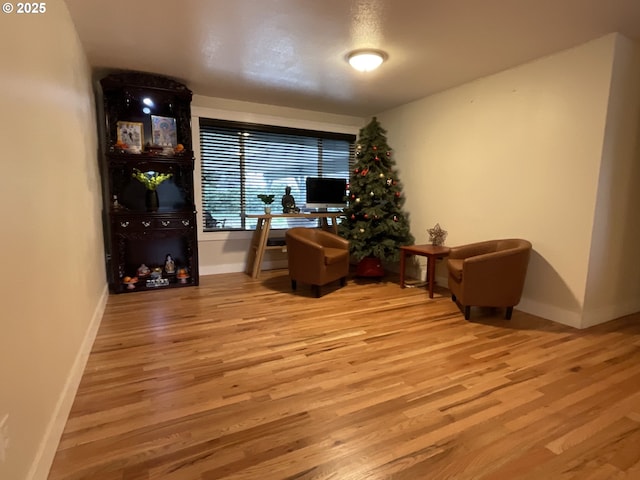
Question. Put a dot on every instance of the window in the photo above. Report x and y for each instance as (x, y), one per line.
(242, 160)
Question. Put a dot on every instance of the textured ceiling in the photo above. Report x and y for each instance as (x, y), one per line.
(292, 52)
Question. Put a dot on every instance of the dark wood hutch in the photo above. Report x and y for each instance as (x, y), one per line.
(146, 129)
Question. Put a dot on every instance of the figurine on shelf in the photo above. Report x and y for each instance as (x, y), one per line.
(288, 202)
(182, 275)
(144, 271)
(169, 265)
(130, 282)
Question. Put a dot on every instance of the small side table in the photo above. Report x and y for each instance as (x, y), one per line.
(432, 253)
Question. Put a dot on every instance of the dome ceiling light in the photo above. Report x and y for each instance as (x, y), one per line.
(366, 60)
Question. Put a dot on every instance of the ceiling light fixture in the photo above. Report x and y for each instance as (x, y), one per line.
(366, 60)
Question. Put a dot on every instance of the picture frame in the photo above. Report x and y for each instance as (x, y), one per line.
(132, 134)
(163, 131)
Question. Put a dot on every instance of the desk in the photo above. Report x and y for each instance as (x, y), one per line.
(432, 253)
(261, 235)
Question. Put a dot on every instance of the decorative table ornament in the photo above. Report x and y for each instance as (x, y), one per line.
(437, 235)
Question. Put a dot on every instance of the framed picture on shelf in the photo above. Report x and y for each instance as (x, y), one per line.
(131, 134)
(163, 130)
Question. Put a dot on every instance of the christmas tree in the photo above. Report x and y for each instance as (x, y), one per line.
(374, 222)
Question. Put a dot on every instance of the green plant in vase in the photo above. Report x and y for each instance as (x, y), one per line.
(151, 181)
(267, 200)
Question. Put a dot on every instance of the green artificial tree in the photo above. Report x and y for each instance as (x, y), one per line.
(374, 222)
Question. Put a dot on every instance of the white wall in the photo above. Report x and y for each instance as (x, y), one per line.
(613, 286)
(224, 252)
(515, 154)
(53, 284)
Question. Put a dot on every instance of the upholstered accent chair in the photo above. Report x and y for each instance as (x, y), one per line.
(316, 257)
(488, 274)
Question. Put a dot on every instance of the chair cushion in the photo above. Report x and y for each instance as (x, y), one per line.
(455, 268)
(335, 255)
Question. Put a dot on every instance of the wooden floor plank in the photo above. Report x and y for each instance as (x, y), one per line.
(243, 379)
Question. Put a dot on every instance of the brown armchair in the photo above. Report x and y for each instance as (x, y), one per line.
(488, 274)
(316, 257)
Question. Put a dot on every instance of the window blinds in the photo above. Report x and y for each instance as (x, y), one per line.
(240, 161)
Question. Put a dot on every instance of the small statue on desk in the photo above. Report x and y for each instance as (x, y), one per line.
(288, 202)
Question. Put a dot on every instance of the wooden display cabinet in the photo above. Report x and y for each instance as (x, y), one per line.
(146, 128)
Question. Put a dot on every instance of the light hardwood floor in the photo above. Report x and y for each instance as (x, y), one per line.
(241, 379)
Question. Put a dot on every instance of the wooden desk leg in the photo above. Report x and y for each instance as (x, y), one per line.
(262, 243)
(402, 264)
(252, 255)
(331, 227)
(431, 273)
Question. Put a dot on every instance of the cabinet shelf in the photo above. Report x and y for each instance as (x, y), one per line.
(140, 215)
(146, 157)
(141, 285)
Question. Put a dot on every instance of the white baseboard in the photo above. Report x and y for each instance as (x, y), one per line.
(583, 319)
(239, 267)
(591, 317)
(217, 269)
(555, 314)
(46, 452)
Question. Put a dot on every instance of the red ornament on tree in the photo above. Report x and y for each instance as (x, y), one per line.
(397, 194)
(366, 217)
(353, 217)
(377, 159)
(375, 148)
(356, 170)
